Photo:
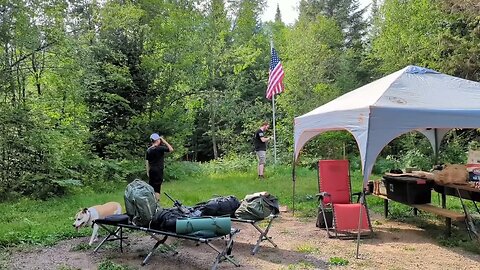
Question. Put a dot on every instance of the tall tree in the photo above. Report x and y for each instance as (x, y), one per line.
(251, 58)
(215, 96)
(350, 72)
(459, 41)
(41, 99)
(409, 34)
(278, 15)
(117, 87)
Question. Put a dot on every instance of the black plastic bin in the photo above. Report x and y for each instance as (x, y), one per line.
(409, 190)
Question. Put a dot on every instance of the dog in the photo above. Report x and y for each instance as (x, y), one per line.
(86, 217)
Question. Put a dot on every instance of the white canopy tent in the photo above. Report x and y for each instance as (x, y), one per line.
(412, 98)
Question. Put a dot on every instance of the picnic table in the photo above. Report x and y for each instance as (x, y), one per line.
(460, 191)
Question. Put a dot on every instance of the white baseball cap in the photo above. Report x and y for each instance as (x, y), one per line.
(154, 137)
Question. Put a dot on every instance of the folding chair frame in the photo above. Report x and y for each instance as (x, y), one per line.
(263, 233)
(161, 236)
(323, 207)
(345, 234)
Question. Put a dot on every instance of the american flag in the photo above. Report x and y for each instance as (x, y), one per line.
(275, 77)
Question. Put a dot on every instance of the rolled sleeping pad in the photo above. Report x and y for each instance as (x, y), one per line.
(207, 226)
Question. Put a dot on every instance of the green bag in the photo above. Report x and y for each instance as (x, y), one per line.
(140, 202)
(257, 206)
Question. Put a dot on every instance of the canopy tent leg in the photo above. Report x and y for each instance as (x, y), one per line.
(362, 198)
(293, 183)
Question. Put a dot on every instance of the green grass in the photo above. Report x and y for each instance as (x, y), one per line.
(301, 265)
(109, 265)
(337, 261)
(307, 248)
(45, 222)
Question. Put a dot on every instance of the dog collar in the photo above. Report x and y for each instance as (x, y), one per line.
(90, 211)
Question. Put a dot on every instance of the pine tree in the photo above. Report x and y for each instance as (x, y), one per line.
(278, 15)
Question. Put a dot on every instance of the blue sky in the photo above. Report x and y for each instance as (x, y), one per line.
(288, 9)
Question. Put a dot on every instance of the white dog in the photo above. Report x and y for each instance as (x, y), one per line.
(86, 217)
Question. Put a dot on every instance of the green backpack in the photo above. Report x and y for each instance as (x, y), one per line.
(257, 206)
(140, 202)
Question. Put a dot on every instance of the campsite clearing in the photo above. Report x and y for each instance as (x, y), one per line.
(301, 246)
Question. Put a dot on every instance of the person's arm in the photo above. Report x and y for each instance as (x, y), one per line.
(263, 138)
(170, 148)
(148, 167)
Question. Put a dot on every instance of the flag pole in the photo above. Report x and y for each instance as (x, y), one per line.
(274, 133)
(273, 116)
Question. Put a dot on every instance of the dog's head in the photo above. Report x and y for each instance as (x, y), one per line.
(81, 219)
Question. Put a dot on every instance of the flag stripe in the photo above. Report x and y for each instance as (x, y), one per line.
(275, 77)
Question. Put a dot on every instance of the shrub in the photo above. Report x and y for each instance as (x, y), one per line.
(233, 162)
(181, 169)
(383, 165)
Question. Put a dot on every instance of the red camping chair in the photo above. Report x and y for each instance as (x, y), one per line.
(335, 196)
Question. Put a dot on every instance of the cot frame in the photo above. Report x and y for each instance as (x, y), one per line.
(116, 234)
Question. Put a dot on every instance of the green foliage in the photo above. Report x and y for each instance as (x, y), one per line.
(410, 32)
(383, 165)
(181, 170)
(306, 248)
(109, 265)
(454, 150)
(301, 265)
(231, 163)
(337, 261)
(81, 247)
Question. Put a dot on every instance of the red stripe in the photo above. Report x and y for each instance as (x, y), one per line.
(275, 85)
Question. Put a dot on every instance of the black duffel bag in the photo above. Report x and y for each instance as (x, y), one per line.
(219, 206)
(166, 219)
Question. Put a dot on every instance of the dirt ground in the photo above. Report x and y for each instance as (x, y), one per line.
(300, 246)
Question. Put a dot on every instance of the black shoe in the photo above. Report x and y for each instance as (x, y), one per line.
(261, 177)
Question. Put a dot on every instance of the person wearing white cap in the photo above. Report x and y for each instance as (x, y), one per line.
(154, 160)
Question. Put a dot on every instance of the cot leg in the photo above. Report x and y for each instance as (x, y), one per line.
(101, 243)
(223, 254)
(150, 253)
(121, 238)
(159, 242)
(263, 236)
(110, 234)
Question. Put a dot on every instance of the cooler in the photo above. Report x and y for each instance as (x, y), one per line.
(408, 189)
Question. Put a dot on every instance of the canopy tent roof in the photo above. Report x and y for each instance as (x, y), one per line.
(412, 98)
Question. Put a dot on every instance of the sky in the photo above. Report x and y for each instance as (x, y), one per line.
(288, 10)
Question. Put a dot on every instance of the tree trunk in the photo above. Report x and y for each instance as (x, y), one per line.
(213, 127)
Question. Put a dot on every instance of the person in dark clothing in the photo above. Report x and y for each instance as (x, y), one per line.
(154, 160)
(260, 142)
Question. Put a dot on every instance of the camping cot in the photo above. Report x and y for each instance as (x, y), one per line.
(116, 224)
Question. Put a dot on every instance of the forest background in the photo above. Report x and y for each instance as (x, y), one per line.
(84, 83)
